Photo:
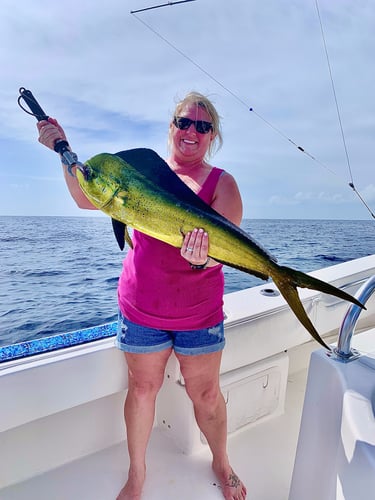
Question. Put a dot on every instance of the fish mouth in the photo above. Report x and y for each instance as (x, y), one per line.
(85, 170)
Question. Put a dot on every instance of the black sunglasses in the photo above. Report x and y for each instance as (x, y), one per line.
(201, 126)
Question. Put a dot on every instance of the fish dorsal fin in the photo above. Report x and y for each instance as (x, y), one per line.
(149, 164)
(121, 233)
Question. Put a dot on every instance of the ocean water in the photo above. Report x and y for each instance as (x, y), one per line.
(59, 274)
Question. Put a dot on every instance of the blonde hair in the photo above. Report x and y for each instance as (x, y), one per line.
(203, 102)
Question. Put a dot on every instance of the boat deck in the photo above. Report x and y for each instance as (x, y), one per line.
(262, 455)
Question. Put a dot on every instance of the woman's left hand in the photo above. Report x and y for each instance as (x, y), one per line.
(195, 247)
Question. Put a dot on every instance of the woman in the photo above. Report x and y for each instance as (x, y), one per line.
(172, 299)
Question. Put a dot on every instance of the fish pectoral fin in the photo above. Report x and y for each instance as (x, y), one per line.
(290, 294)
(121, 233)
(128, 237)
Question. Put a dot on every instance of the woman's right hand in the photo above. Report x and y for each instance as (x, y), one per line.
(50, 132)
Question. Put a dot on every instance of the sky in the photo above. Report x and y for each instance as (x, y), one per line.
(112, 78)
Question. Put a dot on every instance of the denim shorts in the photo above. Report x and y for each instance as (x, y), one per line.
(135, 338)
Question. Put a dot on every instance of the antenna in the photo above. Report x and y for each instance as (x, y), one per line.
(160, 5)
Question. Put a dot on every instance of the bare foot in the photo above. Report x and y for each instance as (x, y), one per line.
(133, 487)
(231, 485)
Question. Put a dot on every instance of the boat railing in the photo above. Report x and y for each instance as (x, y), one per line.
(343, 352)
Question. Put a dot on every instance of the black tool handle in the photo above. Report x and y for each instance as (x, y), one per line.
(33, 104)
(37, 111)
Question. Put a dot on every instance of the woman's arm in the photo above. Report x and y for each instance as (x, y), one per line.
(227, 202)
(227, 199)
(49, 132)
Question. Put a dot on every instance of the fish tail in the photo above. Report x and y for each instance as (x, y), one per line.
(306, 281)
(287, 280)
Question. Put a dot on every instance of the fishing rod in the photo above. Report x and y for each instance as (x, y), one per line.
(251, 108)
(61, 147)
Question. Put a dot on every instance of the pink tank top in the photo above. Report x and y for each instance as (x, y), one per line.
(157, 288)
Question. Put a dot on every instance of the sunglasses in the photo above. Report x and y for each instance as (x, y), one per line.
(200, 126)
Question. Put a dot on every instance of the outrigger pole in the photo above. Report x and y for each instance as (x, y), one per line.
(161, 5)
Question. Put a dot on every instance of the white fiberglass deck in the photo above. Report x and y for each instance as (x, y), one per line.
(263, 456)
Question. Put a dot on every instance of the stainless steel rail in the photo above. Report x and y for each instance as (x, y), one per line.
(343, 351)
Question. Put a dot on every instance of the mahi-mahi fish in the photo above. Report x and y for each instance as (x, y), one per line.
(137, 188)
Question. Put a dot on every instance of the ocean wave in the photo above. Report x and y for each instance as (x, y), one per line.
(44, 273)
(331, 258)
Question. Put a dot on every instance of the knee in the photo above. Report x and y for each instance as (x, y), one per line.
(207, 396)
(144, 389)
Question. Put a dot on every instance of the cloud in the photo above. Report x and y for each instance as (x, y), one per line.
(368, 193)
(308, 196)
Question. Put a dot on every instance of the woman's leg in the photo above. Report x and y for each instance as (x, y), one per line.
(201, 375)
(146, 375)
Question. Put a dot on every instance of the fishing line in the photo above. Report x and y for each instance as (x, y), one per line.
(241, 101)
(229, 91)
(351, 183)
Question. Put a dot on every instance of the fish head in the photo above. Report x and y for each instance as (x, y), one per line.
(104, 175)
